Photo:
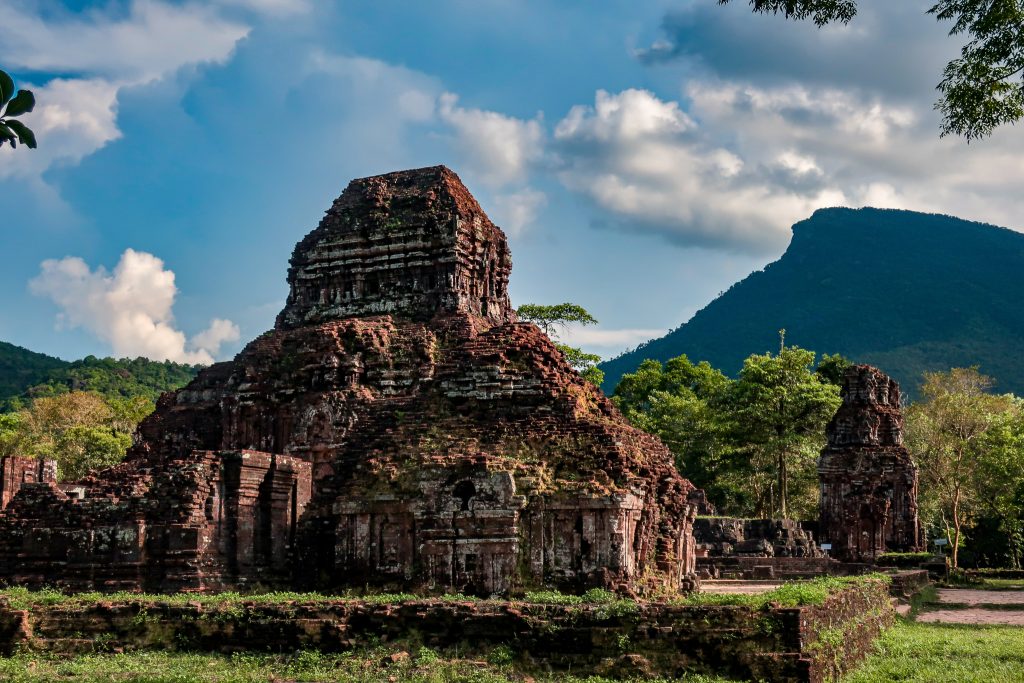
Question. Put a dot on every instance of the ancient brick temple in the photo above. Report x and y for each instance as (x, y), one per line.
(868, 479)
(397, 428)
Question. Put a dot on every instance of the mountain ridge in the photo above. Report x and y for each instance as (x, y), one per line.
(25, 374)
(903, 290)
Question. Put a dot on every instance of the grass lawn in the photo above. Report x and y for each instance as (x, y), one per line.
(370, 666)
(994, 584)
(937, 653)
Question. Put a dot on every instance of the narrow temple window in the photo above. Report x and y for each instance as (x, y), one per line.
(465, 491)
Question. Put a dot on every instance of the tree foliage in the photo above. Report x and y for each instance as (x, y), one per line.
(954, 433)
(685, 405)
(557, 318)
(81, 430)
(979, 91)
(14, 103)
(821, 12)
(752, 442)
(780, 407)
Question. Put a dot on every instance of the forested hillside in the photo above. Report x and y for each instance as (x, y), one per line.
(905, 291)
(26, 374)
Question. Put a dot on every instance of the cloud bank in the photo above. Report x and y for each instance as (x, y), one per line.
(129, 308)
(101, 52)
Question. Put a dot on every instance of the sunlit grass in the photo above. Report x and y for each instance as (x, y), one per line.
(791, 594)
(945, 653)
(369, 666)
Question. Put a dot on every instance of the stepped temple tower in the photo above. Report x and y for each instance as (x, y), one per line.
(398, 427)
(868, 479)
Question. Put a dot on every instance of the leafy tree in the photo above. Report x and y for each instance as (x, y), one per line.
(982, 89)
(81, 449)
(80, 430)
(557, 318)
(583, 362)
(12, 434)
(551, 319)
(832, 368)
(779, 411)
(682, 404)
(753, 442)
(1000, 483)
(13, 104)
(950, 432)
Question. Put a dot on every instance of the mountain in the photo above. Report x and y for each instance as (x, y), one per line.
(904, 291)
(25, 374)
(21, 369)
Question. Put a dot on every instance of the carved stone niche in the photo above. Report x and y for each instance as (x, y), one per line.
(460, 530)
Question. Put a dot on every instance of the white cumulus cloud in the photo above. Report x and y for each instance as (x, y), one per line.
(515, 211)
(130, 308)
(72, 119)
(499, 149)
(102, 51)
(648, 162)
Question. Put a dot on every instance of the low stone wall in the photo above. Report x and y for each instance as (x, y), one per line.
(978, 574)
(766, 567)
(907, 583)
(627, 639)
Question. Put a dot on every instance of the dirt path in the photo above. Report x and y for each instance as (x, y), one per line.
(976, 611)
(975, 616)
(739, 587)
(962, 596)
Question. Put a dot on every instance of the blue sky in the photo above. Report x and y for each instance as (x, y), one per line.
(642, 157)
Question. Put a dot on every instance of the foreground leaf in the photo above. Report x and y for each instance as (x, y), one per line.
(22, 103)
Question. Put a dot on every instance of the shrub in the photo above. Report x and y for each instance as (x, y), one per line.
(902, 559)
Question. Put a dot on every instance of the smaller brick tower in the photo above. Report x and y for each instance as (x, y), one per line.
(868, 479)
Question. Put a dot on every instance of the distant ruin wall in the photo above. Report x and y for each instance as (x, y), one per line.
(16, 471)
(733, 536)
(216, 519)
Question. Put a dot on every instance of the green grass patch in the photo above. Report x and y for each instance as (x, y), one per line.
(945, 653)
(594, 596)
(792, 594)
(903, 559)
(369, 666)
(992, 584)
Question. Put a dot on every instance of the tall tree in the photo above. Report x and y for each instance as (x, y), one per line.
(949, 432)
(982, 89)
(729, 436)
(81, 430)
(554, 320)
(1000, 483)
(682, 403)
(780, 408)
(14, 103)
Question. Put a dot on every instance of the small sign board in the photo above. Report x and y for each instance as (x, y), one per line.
(826, 546)
(941, 541)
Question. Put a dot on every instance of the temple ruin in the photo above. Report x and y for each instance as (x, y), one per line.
(868, 479)
(397, 428)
